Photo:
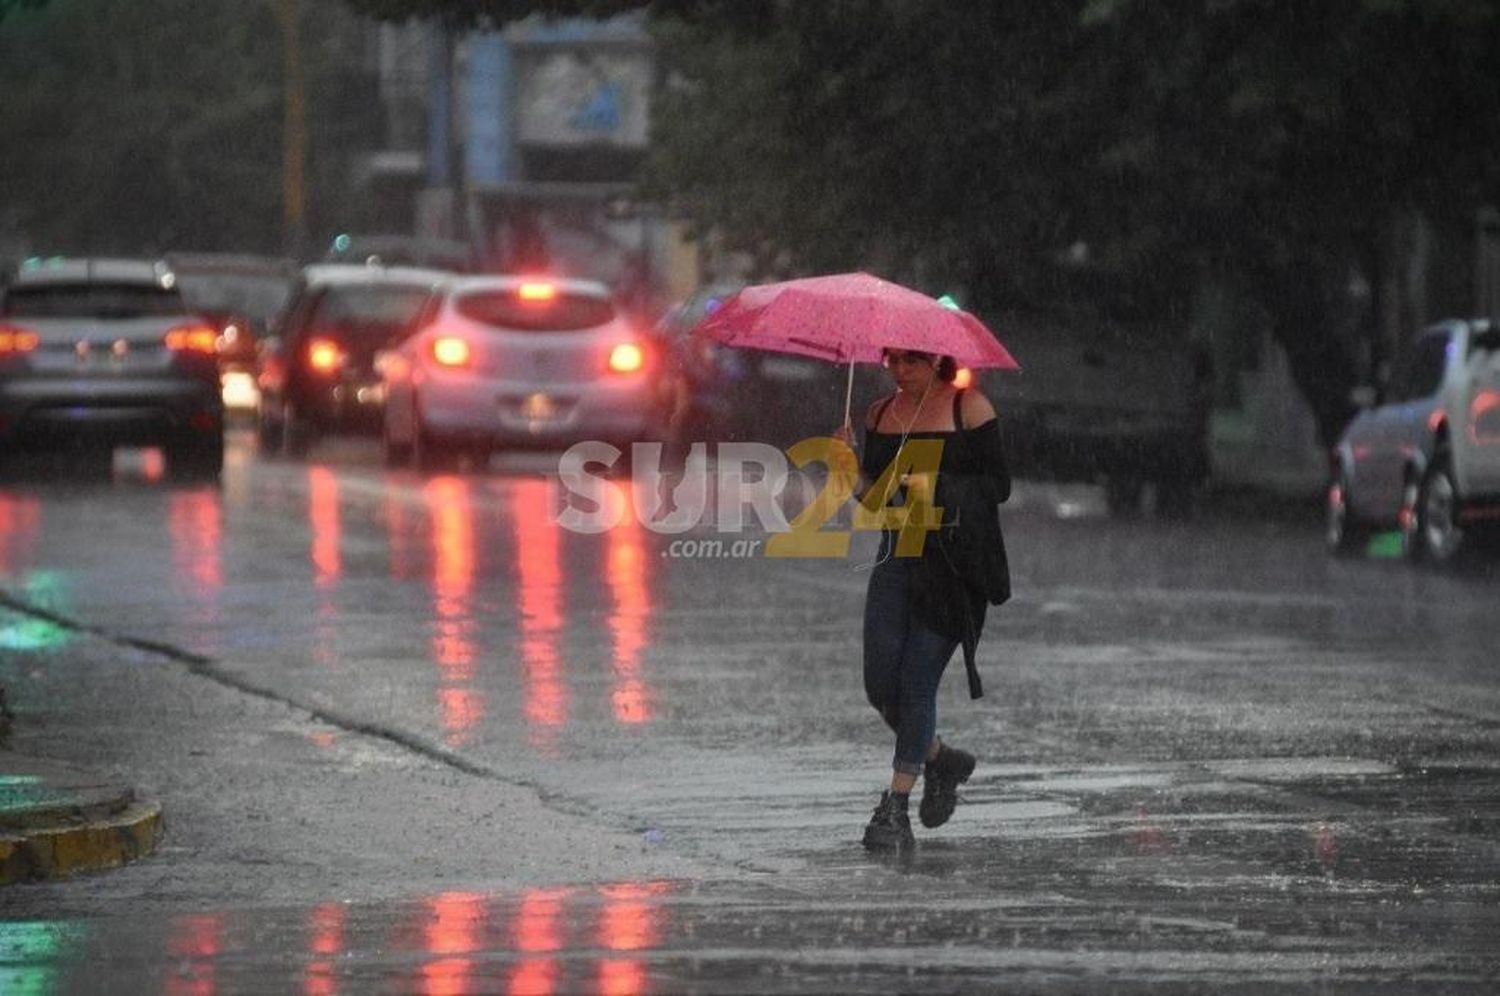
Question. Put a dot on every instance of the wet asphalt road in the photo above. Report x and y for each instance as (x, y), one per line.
(412, 736)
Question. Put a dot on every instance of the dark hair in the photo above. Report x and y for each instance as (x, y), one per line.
(946, 367)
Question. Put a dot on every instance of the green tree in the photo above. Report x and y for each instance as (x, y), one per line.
(1279, 148)
(1284, 146)
(138, 126)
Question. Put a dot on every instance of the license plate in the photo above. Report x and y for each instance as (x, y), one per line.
(539, 406)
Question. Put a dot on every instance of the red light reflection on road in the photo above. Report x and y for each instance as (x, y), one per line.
(628, 922)
(194, 943)
(452, 575)
(453, 570)
(452, 930)
(195, 521)
(195, 524)
(398, 531)
(153, 465)
(327, 941)
(537, 930)
(539, 564)
(626, 574)
(621, 977)
(20, 525)
(328, 565)
(323, 516)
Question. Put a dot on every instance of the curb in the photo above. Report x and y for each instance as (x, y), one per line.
(58, 820)
(66, 849)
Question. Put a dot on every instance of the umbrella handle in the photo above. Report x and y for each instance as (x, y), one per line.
(849, 396)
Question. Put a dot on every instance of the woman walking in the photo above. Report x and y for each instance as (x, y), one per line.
(919, 609)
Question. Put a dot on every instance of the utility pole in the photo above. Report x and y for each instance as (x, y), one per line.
(294, 131)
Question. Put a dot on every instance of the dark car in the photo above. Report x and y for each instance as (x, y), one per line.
(103, 352)
(317, 374)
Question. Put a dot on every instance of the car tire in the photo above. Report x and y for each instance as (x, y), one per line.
(428, 454)
(196, 459)
(296, 434)
(1343, 533)
(1122, 493)
(1439, 537)
(267, 434)
(1174, 497)
(395, 454)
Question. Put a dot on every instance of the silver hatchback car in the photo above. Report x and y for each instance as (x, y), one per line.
(519, 363)
(102, 353)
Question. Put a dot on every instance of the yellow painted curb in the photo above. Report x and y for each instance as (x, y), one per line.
(67, 849)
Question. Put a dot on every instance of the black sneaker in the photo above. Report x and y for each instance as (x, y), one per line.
(941, 778)
(889, 829)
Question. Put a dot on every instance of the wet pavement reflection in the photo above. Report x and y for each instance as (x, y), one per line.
(540, 603)
(1212, 758)
(453, 640)
(1222, 894)
(537, 942)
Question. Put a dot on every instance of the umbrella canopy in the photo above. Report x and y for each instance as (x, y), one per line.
(851, 318)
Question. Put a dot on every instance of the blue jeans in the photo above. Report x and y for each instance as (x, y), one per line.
(904, 663)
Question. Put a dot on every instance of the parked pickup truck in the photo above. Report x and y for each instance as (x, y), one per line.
(1426, 459)
(1124, 406)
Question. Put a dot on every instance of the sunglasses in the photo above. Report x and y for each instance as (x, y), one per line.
(893, 357)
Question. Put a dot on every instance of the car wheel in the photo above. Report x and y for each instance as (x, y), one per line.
(296, 434)
(268, 433)
(1174, 497)
(428, 454)
(1122, 493)
(396, 454)
(196, 459)
(1343, 533)
(1439, 536)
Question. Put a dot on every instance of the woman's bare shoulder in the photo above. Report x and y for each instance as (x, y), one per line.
(976, 408)
(872, 414)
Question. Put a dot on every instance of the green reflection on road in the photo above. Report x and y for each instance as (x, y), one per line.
(31, 952)
(46, 589)
(1385, 546)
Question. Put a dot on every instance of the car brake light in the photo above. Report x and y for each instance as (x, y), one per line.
(192, 339)
(14, 340)
(627, 357)
(964, 378)
(450, 351)
(324, 355)
(537, 293)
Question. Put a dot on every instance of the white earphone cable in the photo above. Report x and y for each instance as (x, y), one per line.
(883, 554)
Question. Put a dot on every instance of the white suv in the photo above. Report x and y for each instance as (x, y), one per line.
(1427, 459)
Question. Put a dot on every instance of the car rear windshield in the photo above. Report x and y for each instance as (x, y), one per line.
(369, 312)
(92, 300)
(562, 313)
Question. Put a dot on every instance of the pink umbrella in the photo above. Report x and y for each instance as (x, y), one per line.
(851, 318)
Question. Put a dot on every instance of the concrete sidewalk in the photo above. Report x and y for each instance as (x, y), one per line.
(56, 820)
